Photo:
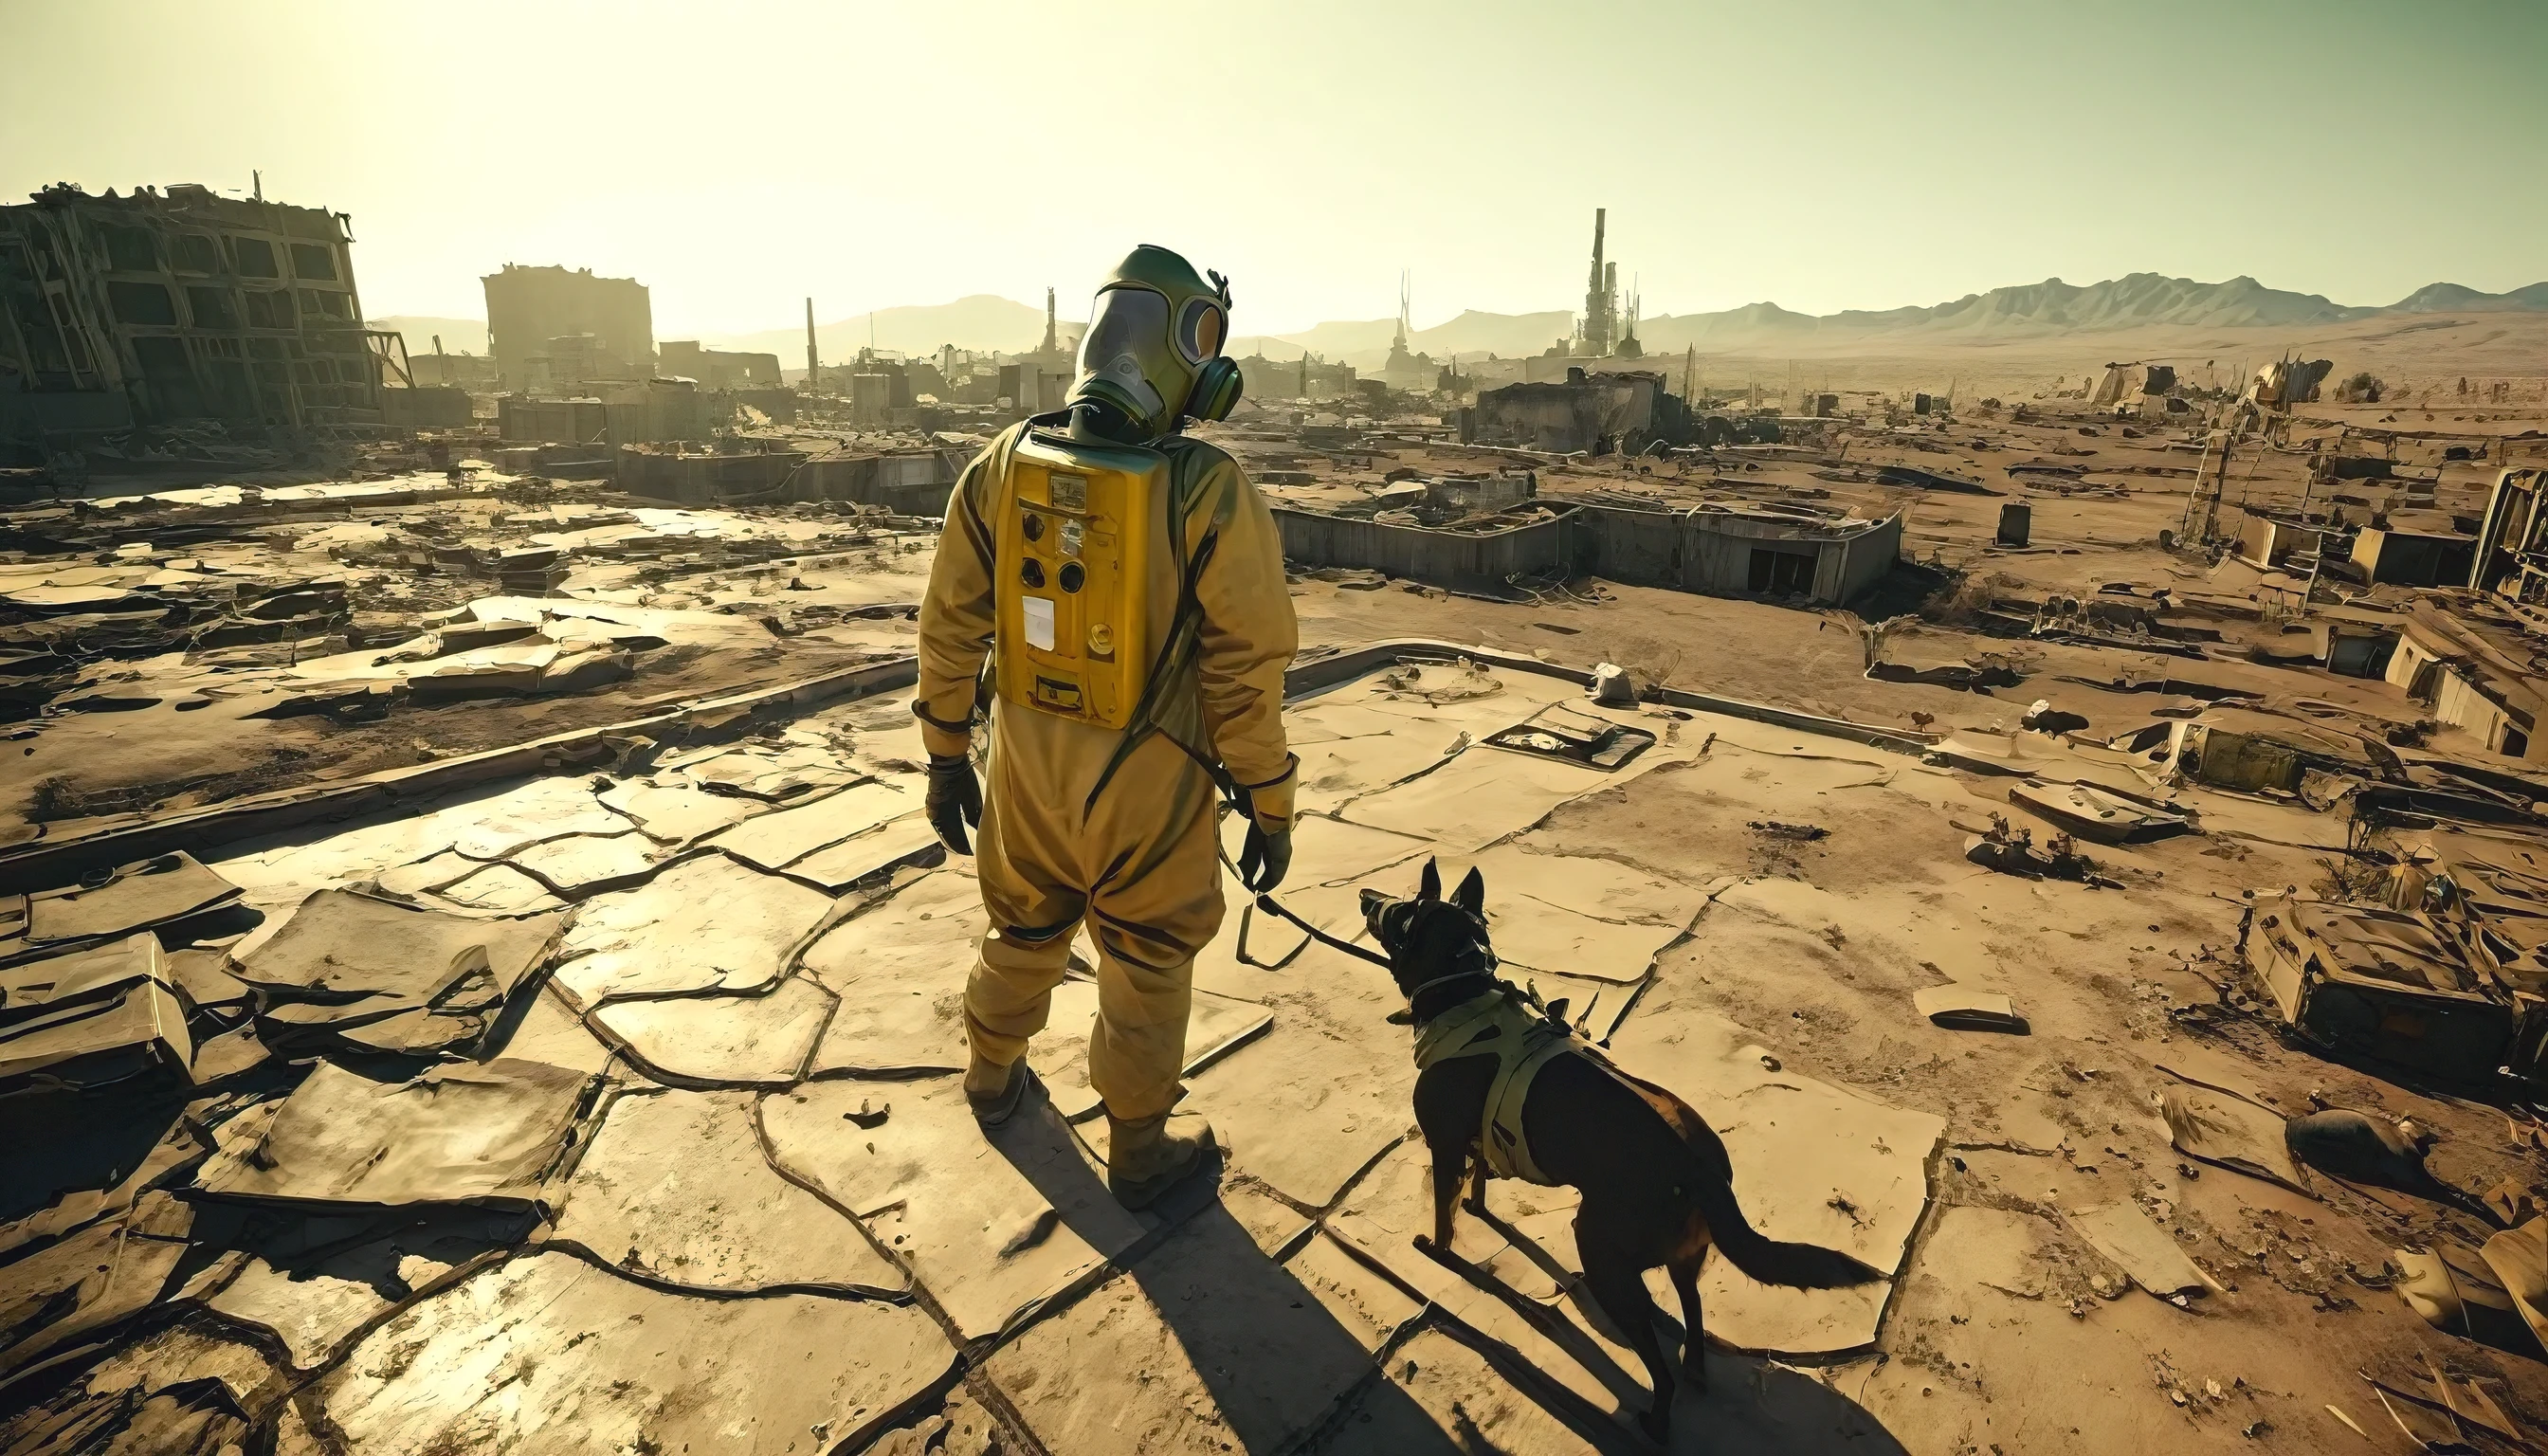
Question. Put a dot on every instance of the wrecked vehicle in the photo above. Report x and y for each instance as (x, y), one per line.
(2380, 983)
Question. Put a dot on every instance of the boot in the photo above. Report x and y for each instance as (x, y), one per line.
(1146, 1157)
(994, 1089)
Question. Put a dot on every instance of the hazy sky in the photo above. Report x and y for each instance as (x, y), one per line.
(737, 156)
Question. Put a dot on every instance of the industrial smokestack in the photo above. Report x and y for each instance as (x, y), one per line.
(811, 363)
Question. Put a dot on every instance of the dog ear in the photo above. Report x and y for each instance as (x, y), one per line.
(1430, 887)
(1472, 894)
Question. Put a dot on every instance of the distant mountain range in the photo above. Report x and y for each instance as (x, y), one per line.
(2027, 313)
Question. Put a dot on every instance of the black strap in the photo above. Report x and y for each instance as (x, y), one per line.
(1274, 907)
(1453, 979)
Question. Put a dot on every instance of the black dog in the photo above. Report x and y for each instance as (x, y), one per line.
(1656, 1186)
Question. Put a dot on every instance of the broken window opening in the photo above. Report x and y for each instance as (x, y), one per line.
(130, 249)
(141, 302)
(253, 257)
(1781, 573)
(211, 307)
(270, 309)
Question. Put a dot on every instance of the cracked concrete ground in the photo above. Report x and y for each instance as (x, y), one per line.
(741, 1206)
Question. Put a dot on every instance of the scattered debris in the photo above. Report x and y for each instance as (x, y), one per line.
(1611, 685)
(1595, 743)
(2229, 1132)
(2011, 850)
(2100, 815)
(1962, 1008)
(2359, 1148)
(2141, 1249)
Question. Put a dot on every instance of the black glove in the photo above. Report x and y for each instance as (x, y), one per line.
(954, 800)
(1264, 858)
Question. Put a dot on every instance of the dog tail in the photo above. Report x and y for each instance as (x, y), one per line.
(1769, 1260)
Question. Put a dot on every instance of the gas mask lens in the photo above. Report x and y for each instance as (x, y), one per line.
(1121, 322)
(1199, 329)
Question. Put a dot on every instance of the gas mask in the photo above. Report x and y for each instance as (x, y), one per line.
(1152, 356)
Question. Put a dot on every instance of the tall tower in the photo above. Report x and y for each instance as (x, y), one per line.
(1405, 296)
(1051, 339)
(812, 370)
(1596, 306)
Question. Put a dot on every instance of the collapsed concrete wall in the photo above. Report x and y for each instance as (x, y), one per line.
(1818, 558)
(427, 407)
(913, 482)
(1587, 412)
(1470, 560)
(702, 478)
(1823, 559)
(910, 482)
(666, 410)
(718, 369)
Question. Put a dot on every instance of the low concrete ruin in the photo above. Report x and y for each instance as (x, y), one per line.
(1820, 556)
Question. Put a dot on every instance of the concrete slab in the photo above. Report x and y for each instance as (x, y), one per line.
(674, 1189)
(548, 1353)
(704, 924)
(993, 1225)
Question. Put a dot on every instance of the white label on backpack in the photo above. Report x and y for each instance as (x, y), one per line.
(1039, 623)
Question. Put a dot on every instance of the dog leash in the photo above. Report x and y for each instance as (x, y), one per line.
(1234, 796)
(1266, 902)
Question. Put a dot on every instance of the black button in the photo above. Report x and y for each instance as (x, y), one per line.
(1031, 573)
(1034, 526)
(1071, 577)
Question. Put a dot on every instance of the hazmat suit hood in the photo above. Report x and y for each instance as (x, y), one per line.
(1151, 355)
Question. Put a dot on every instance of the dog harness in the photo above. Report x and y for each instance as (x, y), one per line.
(1522, 1039)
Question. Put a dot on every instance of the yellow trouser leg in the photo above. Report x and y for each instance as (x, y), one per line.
(1138, 869)
(1010, 992)
(1138, 1050)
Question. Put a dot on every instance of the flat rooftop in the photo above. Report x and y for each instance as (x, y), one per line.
(721, 1189)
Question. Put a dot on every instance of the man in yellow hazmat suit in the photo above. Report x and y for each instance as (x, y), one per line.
(1113, 592)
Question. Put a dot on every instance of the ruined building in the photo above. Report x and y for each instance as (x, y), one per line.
(719, 369)
(179, 305)
(1593, 414)
(557, 330)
